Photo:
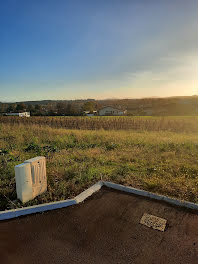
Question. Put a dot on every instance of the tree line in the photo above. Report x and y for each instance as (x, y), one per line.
(51, 108)
(137, 107)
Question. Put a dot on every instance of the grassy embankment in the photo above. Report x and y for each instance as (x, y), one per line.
(159, 161)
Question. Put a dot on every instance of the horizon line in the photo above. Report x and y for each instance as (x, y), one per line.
(104, 99)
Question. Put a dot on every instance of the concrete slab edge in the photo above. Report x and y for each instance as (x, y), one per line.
(9, 214)
(154, 196)
(5, 215)
(84, 195)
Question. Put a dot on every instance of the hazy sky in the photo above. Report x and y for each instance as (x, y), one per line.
(68, 49)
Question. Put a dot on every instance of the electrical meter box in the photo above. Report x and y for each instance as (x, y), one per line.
(31, 179)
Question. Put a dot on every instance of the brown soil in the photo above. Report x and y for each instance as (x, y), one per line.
(104, 229)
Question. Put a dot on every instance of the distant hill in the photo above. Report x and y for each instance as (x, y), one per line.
(177, 105)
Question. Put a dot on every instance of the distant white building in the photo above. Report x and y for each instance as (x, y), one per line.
(111, 111)
(23, 114)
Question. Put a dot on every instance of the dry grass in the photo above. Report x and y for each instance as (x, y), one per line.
(159, 161)
(174, 124)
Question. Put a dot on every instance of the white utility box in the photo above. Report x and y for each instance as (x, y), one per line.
(31, 178)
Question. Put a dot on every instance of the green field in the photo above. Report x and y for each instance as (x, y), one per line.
(158, 160)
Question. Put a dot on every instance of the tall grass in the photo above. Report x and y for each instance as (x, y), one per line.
(164, 162)
(174, 124)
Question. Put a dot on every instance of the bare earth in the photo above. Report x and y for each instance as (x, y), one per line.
(104, 229)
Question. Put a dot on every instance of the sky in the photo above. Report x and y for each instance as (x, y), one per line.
(77, 49)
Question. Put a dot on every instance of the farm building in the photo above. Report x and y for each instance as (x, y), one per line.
(111, 111)
(23, 114)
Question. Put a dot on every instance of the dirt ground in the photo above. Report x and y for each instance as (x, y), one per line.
(103, 229)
